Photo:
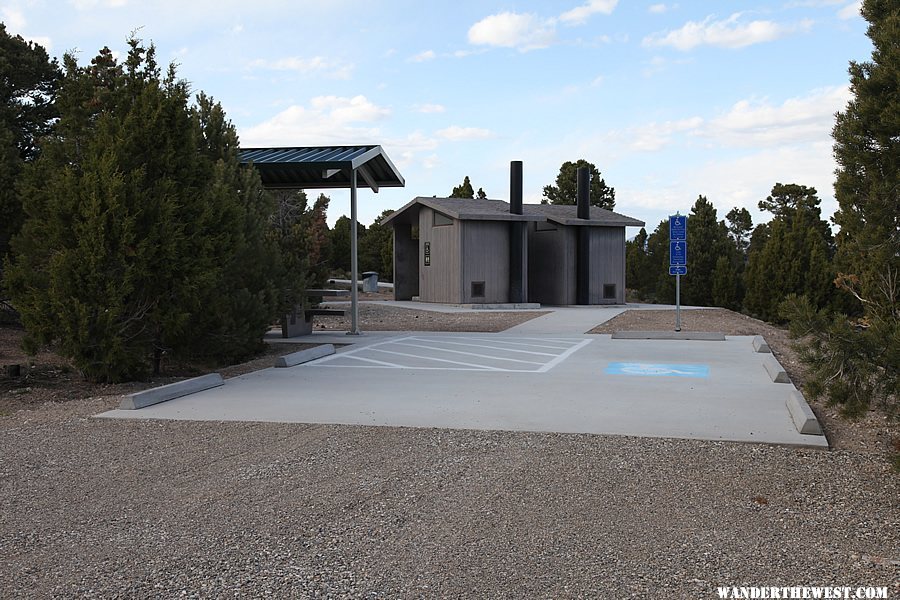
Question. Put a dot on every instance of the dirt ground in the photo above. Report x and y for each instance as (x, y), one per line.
(47, 377)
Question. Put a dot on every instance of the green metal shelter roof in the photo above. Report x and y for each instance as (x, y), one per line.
(322, 167)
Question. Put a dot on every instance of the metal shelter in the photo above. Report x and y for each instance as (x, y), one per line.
(328, 167)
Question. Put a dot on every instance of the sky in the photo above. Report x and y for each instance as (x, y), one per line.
(670, 100)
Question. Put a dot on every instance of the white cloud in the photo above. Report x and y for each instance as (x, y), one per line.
(41, 40)
(513, 30)
(14, 19)
(727, 33)
(423, 56)
(746, 180)
(327, 120)
(237, 29)
(91, 4)
(658, 64)
(657, 9)
(316, 64)
(580, 14)
(348, 110)
(758, 123)
(654, 136)
(430, 108)
(455, 133)
(851, 10)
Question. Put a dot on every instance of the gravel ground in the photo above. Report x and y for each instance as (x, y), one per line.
(374, 317)
(116, 509)
(106, 509)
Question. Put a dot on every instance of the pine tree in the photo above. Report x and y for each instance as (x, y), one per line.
(857, 364)
(463, 190)
(566, 188)
(740, 224)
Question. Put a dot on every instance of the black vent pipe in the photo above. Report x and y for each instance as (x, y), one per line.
(584, 192)
(583, 252)
(517, 250)
(515, 187)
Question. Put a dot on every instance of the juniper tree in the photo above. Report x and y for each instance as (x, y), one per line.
(339, 237)
(28, 83)
(301, 234)
(376, 248)
(142, 232)
(637, 270)
(707, 242)
(796, 255)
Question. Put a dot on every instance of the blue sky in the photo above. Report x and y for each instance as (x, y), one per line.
(670, 100)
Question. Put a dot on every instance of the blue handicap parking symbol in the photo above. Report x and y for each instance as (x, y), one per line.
(657, 370)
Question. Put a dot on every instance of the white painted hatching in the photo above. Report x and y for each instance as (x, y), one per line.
(462, 353)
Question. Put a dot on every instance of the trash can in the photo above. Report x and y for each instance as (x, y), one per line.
(370, 281)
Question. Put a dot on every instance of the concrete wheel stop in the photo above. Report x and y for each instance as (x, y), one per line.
(303, 356)
(170, 391)
(760, 345)
(775, 370)
(804, 419)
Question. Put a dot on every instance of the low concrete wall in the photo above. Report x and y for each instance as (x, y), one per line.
(171, 391)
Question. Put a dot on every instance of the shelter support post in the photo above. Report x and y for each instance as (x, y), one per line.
(354, 267)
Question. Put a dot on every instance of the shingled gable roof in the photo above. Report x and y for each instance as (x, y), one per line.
(567, 214)
(463, 209)
(467, 209)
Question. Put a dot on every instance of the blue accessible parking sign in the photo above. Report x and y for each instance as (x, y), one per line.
(677, 228)
(678, 253)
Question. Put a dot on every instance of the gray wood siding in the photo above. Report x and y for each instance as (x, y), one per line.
(551, 265)
(439, 282)
(607, 263)
(485, 246)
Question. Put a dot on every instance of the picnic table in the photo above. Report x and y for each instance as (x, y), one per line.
(300, 321)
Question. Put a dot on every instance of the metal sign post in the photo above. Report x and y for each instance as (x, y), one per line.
(677, 258)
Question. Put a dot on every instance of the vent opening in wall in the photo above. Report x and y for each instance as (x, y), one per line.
(441, 220)
(609, 291)
(478, 289)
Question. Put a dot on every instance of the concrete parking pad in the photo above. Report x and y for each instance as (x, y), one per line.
(514, 382)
